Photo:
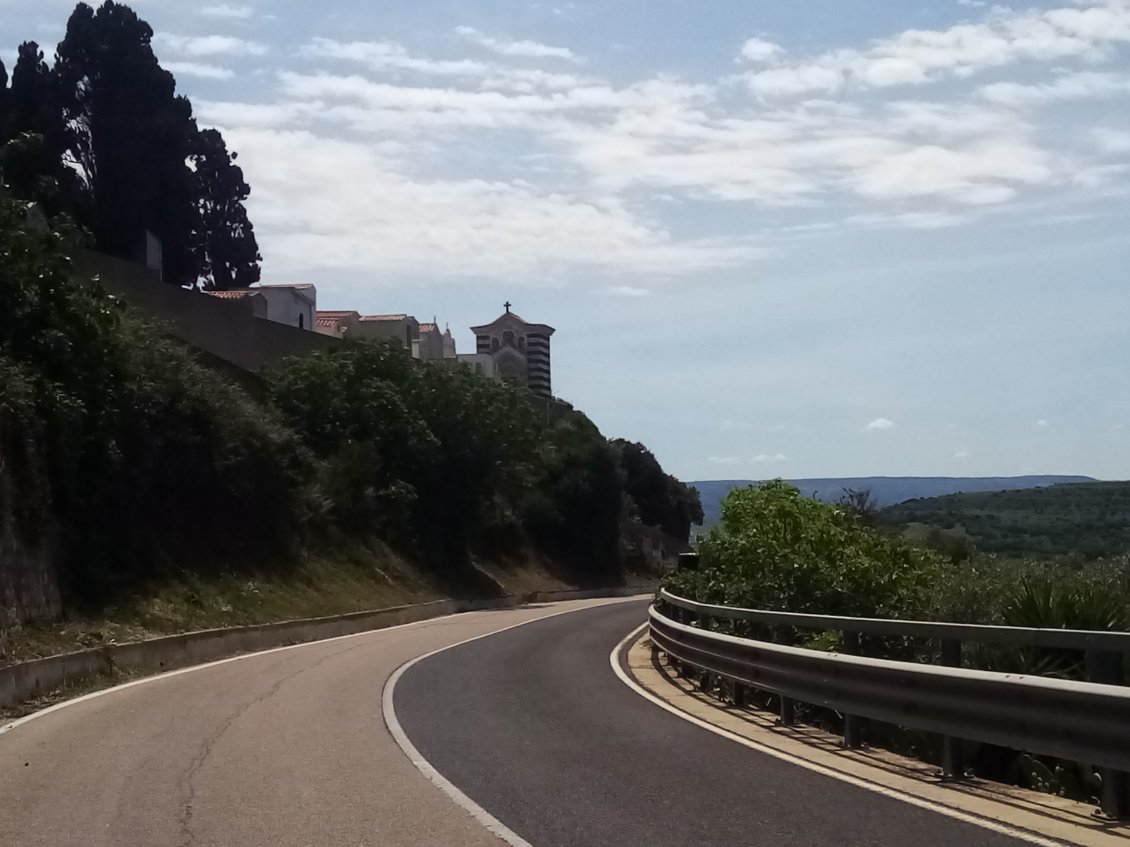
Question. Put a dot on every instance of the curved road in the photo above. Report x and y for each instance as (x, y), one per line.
(534, 726)
(289, 748)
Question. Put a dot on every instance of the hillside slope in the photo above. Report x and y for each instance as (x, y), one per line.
(1089, 519)
(885, 490)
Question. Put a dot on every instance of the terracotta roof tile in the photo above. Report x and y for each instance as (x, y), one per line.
(429, 328)
(384, 317)
(232, 294)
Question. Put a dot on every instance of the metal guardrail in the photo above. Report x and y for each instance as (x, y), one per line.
(1065, 639)
(1078, 721)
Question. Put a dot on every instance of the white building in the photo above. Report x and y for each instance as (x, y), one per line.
(293, 305)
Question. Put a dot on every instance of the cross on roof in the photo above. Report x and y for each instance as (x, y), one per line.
(507, 305)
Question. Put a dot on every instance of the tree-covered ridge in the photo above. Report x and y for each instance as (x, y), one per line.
(133, 462)
(102, 135)
(1088, 520)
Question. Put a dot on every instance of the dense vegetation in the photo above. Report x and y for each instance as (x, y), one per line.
(135, 462)
(776, 549)
(1088, 520)
(102, 135)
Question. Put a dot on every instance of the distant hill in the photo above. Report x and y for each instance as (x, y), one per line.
(1091, 519)
(885, 490)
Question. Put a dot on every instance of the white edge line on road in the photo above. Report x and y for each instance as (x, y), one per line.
(8, 727)
(966, 817)
(493, 824)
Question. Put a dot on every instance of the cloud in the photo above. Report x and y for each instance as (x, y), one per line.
(769, 458)
(758, 50)
(223, 10)
(1041, 422)
(629, 291)
(198, 70)
(208, 45)
(962, 454)
(724, 460)
(880, 423)
(518, 49)
(915, 56)
(1071, 86)
(385, 220)
(387, 55)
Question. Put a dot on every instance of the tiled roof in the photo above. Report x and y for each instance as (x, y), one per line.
(384, 318)
(300, 285)
(332, 314)
(429, 328)
(329, 323)
(233, 294)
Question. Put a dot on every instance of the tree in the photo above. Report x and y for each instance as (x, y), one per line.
(659, 498)
(31, 129)
(5, 97)
(231, 253)
(129, 136)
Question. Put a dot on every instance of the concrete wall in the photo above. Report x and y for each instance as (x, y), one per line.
(29, 679)
(226, 329)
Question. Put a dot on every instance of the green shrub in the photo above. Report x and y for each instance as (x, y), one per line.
(778, 550)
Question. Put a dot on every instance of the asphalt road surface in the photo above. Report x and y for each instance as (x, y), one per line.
(289, 749)
(534, 726)
(280, 749)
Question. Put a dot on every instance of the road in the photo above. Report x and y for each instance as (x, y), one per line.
(533, 725)
(279, 749)
(289, 748)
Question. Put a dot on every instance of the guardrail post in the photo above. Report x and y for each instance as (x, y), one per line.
(1106, 667)
(787, 712)
(853, 735)
(741, 695)
(951, 747)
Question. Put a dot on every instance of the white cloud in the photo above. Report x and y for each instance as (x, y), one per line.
(1072, 86)
(387, 55)
(918, 56)
(758, 50)
(385, 220)
(629, 291)
(1041, 422)
(198, 70)
(724, 460)
(1110, 140)
(208, 45)
(880, 423)
(962, 454)
(518, 49)
(223, 10)
(769, 458)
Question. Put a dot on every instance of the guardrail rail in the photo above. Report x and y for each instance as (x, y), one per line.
(1074, 720)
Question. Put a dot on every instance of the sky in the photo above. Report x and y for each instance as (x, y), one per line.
(836, 238)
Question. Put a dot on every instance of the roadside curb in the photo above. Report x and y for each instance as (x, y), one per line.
(27, 680)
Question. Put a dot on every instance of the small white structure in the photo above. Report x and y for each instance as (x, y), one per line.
(481, 363)
(293, 305)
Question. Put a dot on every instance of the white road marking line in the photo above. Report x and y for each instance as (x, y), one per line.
(493, 824)
(966, 817)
